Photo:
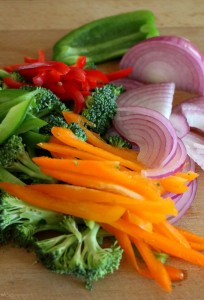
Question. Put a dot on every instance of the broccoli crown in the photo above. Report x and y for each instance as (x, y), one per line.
(45, 102)
(78, 252)
(118, 141)
(24, 220)
(15, 158)
(17, 76)
(101, 106)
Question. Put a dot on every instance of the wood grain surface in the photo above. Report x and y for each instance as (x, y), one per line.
(25, 27)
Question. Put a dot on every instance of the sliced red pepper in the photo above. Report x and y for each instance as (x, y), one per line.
(11, 83)
(98, 75)
(81, 62)
(119, 74)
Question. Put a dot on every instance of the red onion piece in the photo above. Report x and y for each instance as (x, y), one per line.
(151, 131)
(173, 166)
(158, 97)
(194, 144)
(180, 124)
(127, 83)
(167, 59)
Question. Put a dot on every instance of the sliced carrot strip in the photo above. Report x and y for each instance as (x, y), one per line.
(175, 274)
(134, 219)
(66, 136)
(78, 194)
(66, 150)
(174, 184)
(158, 241)
(191, 237)
(171, 232)
(156, 268)
(90, 182)
(85, 209)
(107, 170)
(190, 175)
(76, 118)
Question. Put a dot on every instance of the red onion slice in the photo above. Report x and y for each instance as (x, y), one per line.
(180, 124)
(158, 97)
(127, 83)
(194, 144)
(151, 131)
(167, 59)
(173, 166)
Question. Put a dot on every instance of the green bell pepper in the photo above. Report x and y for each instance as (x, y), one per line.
(107, 38)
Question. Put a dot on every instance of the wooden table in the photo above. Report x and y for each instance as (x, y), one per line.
(25, 27)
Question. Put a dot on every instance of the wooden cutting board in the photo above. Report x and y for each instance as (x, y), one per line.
(25, 27)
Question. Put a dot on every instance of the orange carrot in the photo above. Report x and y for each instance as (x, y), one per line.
(85, 209)
(197, 246)
(66, 136)
(171, 232)
(124, 241)
(107, 170)
(71, 117)
(66, 150)
(77, 194)
(174, 184)
(156, 268)
(156, 240)
(191, 237)
(134, 219)
(190, 175)
(91, 182)
(96, 140)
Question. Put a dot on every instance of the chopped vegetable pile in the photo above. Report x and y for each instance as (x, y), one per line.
(103, 163)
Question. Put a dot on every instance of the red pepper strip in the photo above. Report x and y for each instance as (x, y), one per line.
(73, 93)
(98, 75)
(41, 55)
(119, 74)
(11, 83)
(75, 74)
(12, 68)
(81, 62)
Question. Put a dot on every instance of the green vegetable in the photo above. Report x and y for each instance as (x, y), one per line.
(78, 252)
(21, 221)
(45, 102)
(15, 116)
(100, 107)
(15, 159)
(107, 38)
(118, 141)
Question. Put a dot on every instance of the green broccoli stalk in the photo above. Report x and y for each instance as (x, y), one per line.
(78, 252)
(22, 221)
(118, 141)
(15, 159)
(100, 107)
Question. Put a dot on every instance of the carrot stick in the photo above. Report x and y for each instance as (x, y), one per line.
(84, 209)
(124, 241)
(171, 232)
(156, 268)
(76, 118)
(175, 274)
(190, 175)
(191, 237)
(134, 219)
(158, 241)
(96, 140)
(78, 194)
(174, 184)
(197, 246)
(66, 136)
(66, 150)
(91, 182)
(107, 170)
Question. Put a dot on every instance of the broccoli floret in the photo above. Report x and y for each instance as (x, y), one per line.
(100, 106)
(118, 141)
(15, 159)
(78, 252)
(22, 221)
(46, 102)
(59, 121)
